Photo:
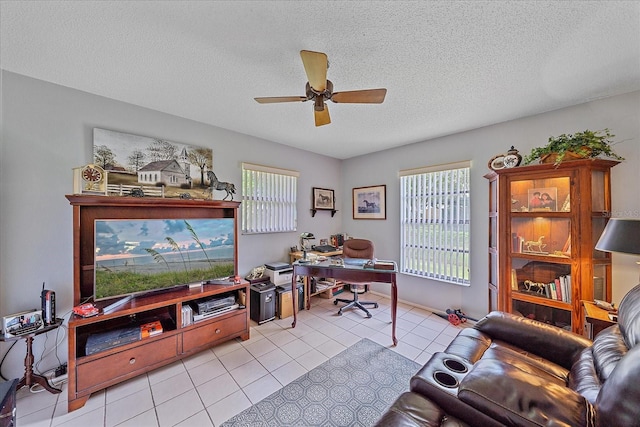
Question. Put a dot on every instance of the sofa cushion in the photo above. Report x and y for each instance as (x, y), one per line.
(629, 317)
(513, 397)
(618, 403)
(549, 342)
(473, 345)
(607, 349)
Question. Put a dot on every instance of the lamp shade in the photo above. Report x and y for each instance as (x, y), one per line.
(620, 235)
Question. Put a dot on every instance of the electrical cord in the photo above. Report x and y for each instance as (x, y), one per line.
(3, 358)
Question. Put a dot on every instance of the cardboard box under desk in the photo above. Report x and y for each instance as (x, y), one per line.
(333, 291)
(285, 305)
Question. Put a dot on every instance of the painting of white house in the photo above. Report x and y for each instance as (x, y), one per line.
(142, 165)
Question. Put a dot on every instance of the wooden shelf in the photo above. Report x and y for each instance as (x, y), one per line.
(582, 189)
(333, 212)
(94, 372)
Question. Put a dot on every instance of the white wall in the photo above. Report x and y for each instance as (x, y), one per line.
(621, 114)
(48, 130)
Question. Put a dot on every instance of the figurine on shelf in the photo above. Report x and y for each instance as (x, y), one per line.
(220, 185)
(532, 244)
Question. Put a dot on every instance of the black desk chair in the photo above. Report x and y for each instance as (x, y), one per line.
(356, 248)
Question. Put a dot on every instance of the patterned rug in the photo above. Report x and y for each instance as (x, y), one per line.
(353, 388)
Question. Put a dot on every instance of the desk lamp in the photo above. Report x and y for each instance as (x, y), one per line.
(304, 239)
(620, 235)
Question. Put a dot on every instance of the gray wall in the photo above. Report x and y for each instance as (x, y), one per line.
(47, 131)
(621, 114)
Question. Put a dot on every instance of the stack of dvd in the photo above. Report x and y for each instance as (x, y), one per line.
(187, 315)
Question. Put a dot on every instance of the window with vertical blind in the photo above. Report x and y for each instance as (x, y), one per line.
(435, 222)
(268, 199)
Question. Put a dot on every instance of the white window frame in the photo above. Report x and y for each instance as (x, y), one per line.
(435, 222)
(269, 199)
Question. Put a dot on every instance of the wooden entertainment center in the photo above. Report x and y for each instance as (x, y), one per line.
(91, 373)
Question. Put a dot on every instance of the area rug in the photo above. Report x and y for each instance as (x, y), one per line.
(353, 388)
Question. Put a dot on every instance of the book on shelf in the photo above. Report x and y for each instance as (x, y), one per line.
(150, 329)
(558, 287)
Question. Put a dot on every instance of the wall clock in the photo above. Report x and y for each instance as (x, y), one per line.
(89, 179)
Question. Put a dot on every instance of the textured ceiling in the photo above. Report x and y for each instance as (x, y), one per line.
(448, 66)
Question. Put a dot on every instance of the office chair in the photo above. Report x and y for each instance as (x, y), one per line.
(356, 248)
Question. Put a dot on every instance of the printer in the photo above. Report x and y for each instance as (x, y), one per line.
(279, 273)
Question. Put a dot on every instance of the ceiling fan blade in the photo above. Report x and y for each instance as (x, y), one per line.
(315, 65)
(368, 96)
(273, 99)
(322, 116)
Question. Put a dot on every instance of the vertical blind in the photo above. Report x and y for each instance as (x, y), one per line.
(268, 199)
(435, 222)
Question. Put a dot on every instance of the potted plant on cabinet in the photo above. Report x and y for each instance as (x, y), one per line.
(580, 145)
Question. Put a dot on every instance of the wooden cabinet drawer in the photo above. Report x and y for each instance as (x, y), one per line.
(126, 362)
(208, 333)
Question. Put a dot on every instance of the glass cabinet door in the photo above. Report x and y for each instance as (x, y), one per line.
(540, 249)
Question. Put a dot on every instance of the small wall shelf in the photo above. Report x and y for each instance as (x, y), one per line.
(313, 212)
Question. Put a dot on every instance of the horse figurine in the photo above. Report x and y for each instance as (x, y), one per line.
(532, 244)
(219, 185)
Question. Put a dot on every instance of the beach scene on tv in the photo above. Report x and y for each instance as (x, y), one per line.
(134, 256)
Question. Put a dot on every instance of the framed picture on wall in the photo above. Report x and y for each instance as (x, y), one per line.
(324, 198)
(370, 202)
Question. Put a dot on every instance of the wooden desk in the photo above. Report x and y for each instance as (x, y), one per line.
(595, 319)
(31, 377)
(298, 254)
(347, 273)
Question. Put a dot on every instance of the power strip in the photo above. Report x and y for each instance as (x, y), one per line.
(61, 379)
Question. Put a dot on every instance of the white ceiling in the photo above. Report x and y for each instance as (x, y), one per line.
(448, 66)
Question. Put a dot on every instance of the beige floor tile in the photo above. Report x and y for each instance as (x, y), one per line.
(179, 408)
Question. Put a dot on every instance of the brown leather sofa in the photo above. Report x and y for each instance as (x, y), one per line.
(513, 371)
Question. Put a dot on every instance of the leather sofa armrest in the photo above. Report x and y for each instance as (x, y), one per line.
(552, 343)
(516, 398)
(414, 410)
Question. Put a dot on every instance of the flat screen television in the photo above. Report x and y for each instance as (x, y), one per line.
(134, 256)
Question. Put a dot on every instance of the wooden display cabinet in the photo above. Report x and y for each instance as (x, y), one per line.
(544, 222)
(89, 373)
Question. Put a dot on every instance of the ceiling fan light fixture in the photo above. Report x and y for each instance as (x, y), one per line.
(318, 104)
(319, 89)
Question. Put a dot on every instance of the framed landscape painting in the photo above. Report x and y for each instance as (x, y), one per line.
(148, 163)
(370, 202)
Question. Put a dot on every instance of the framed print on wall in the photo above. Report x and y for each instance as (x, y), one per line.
(370, 202)
(323, 198)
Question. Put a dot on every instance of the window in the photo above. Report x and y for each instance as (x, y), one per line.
(435, 222)
(268, 199)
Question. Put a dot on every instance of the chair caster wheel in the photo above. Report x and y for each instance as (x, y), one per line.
(339, 313)
(369, 316)
(376, 305)
(335, 302)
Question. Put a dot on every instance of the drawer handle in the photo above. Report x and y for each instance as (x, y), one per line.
(218, 331)
(132, 361)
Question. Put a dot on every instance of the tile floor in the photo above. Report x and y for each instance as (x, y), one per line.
(214, 385)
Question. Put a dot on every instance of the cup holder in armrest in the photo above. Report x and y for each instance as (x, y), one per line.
(455, 366)
(445, 379)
